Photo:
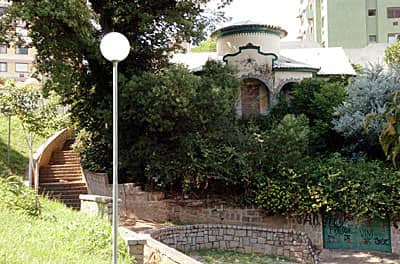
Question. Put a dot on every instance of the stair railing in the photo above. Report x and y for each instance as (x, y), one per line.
(45, 151)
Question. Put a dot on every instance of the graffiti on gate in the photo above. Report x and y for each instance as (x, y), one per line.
(309, 219)
(344, 232)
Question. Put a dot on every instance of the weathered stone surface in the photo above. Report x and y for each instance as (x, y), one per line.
(242, 238)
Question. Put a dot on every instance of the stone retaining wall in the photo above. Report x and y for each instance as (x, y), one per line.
(151, 206)
(285, 243)
(147, 250)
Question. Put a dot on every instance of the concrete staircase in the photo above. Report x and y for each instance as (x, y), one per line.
(62, 178)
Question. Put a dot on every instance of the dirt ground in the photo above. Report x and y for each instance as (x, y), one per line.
(356, 257)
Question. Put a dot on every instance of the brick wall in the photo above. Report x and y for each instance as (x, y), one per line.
(285, 243)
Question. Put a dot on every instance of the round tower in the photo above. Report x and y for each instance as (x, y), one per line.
(230, 38)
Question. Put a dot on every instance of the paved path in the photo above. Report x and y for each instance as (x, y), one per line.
(356, 257)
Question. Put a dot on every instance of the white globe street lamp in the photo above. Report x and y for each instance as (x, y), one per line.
(115, 47)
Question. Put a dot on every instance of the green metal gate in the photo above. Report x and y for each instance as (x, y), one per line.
(344, 232)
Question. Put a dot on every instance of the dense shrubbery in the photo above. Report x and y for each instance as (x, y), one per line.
(316, 99)
(15, 195)
(332, 184)
(180, 133)
(368, 94)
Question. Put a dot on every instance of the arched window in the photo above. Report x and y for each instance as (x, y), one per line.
(286, 90)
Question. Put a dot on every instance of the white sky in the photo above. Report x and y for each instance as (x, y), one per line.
(281, 13)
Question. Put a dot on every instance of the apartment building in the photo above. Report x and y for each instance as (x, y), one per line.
(350, 23)
(16, 62)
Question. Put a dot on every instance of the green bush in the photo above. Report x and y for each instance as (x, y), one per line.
(16, 196)
(316, 99)
(369, 93)
(332, 185)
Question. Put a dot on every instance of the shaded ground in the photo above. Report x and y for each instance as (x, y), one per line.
(356, 257)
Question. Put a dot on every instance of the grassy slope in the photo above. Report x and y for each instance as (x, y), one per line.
(19, 147)
(60, 235)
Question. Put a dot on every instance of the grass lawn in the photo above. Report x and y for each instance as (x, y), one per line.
(232, 257)
(19, 147)
(59, 235)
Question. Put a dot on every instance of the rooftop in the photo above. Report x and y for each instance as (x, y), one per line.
(250, 27)
(325, 61)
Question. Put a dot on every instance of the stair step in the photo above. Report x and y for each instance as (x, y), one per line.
(60, 179)
(61, 165)
(63, 196)
(65, 155)
(55, 189)
(62, 159)
(60, 174)
(59, 171)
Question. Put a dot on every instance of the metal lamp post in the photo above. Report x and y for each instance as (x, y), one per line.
(115, 48)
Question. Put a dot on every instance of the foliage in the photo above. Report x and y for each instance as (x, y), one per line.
(14, 195)
(369, 93)
(208, 45)
(390, 135)
(19, 151)
(316, 99)
(392, 54)
(38, 116)
(162, 114)
(66, 35)
(57, 235)
(331, 185)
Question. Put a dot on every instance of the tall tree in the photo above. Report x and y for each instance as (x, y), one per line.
(67, 34)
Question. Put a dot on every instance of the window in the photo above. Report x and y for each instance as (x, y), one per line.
(371, 12)
(372, 38)
(393, 37)
(395, 23)
(3, 66)
(3, 49)
(21, 67)
(393, 12)
(21, 50)
(2, 9)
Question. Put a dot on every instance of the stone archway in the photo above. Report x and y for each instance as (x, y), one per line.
(254, 97)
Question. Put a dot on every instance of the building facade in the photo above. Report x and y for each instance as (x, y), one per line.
(16, 62)
(266, 71)
(350, 23)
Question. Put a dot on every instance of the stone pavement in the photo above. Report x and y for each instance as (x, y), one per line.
(355, 257)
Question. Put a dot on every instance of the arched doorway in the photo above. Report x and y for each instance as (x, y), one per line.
(254, 97)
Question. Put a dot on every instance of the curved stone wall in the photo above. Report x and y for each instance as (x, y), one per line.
(279, 242)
